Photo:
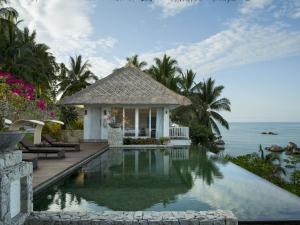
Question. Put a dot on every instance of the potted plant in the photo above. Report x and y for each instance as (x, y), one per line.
(72, 130)
(115, 134)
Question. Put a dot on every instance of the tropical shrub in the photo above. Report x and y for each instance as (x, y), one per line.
(19, 100)
(68, 115)
(76, 125)
(164, 140)
(200, 134)
(295, 178)
(265, 167)
(53, 129)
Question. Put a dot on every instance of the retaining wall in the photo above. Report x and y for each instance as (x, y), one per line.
(218, 217)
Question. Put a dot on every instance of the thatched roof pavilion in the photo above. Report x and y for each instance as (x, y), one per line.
(131, 98)
(126, 86)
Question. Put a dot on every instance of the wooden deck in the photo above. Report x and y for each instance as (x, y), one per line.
(51, 170)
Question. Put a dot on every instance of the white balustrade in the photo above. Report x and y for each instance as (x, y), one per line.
(179, 132)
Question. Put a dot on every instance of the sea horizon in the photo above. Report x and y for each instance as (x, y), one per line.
(246, 137)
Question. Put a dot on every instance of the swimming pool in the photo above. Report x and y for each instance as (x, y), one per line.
(168, 179)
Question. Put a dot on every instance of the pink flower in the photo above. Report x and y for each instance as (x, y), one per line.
(15, 93)
(41, 104)
(52, 114)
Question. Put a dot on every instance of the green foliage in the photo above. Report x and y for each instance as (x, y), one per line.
(295, 178)
(76, 125)
(207, 103)
(68, 115)
(200, 134)
(20, 54)
(164, 140)
(135, 61)
(187, 82)
(76, 78)
(53, 129)
(266, 168)
(166, 71)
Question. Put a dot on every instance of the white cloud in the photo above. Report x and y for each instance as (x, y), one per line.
(103, 67)
(64, 26)
(251, 5)
(240, 44)
(295, 10)
(172, 7)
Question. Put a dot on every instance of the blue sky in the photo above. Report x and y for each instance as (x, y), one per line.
(251, 47)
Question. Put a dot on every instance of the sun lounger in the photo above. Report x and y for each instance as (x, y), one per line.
(52, 142)
(60, 152)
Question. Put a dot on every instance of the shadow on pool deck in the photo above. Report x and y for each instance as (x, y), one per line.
(50, 170)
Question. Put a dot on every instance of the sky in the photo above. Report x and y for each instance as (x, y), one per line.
(252, 47)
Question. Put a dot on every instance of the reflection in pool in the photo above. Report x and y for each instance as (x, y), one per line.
(170, 179)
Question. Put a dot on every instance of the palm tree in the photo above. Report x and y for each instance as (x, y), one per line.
(166, 72)
(207, 105)
(135, 61)
(187, 82)
(6, 12)
(77, 77)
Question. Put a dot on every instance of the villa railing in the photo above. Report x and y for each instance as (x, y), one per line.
(179, 132)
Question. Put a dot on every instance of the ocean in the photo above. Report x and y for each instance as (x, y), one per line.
(245, 138)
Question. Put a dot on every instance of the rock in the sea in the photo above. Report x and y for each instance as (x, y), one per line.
(220, 142)
(296, 151)
(275, 148)
(269, 133)
(291, 146)
(290, 166)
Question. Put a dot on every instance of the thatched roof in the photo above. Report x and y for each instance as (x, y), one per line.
(126, 86)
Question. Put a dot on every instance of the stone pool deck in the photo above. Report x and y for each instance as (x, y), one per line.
(50, 170)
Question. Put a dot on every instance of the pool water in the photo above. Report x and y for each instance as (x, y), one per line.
(168, 179)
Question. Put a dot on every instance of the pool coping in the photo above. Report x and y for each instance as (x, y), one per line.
(269, 222)
(68, 171)
(147, 146)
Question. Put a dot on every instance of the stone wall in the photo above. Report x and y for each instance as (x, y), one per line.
(15, 175)
(218, 217)
(72, 136)
(115, 137)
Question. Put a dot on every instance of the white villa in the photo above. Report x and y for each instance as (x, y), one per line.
(132, 98)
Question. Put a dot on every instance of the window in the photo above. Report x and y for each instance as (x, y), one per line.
(153, 123)
(117, 114)
(129, 122)
(144, 123)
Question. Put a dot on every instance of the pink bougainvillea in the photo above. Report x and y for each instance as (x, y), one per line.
(22, 98)
(41, 104)
(52, 114)
(18, 86)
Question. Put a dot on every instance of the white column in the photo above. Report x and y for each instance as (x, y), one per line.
(159, 122)
(86, 123)
(150, 122)
(136, 122)
(166, 122)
